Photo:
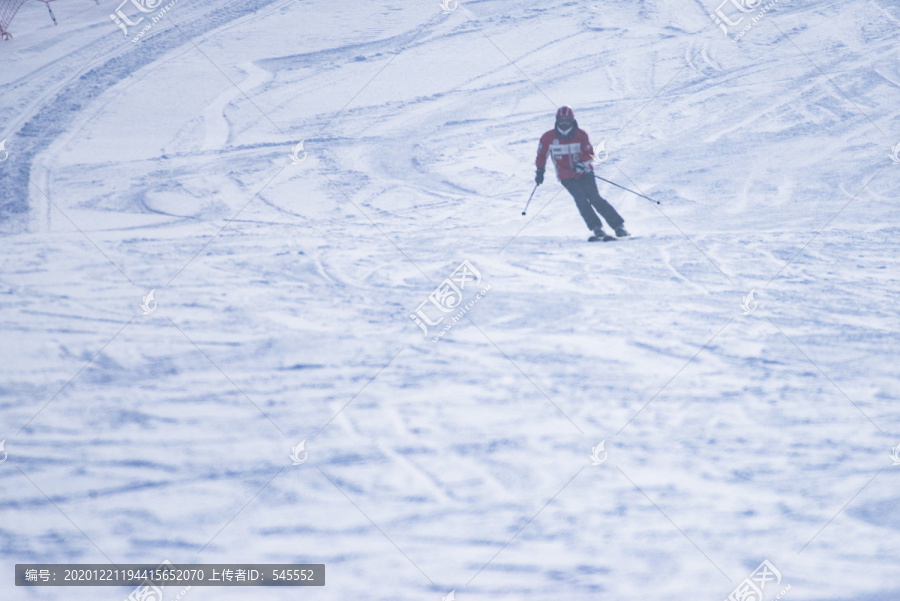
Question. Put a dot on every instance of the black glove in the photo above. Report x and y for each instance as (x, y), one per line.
(582, 167)
(539, 177)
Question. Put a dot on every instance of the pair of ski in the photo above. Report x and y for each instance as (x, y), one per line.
(606, 238)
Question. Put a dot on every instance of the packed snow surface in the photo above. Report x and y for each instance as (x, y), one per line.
(643, 419)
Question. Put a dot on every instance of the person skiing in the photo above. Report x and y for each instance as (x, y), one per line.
(572, 154)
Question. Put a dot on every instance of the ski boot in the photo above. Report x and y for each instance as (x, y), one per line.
(600, 235)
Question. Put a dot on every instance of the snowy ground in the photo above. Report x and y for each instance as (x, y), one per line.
(284, 292)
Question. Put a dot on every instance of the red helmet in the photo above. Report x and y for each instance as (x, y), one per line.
(565, 121)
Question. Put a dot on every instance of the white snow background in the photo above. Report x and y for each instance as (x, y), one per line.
(284, 293)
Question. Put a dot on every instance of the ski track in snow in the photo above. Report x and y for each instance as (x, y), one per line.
(284, 293)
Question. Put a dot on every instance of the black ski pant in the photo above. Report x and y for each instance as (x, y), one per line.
(587, 198)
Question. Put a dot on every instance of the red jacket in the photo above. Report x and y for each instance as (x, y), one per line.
(565, 152)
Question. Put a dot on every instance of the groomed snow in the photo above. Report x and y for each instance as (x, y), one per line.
(284, 291)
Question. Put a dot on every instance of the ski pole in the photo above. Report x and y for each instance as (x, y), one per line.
(626, 189)
(529, 199)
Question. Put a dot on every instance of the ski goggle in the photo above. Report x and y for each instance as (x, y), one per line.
(565, 122)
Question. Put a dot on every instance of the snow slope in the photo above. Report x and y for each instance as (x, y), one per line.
(284, 293)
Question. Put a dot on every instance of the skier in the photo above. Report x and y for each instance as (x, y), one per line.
(572, 154)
